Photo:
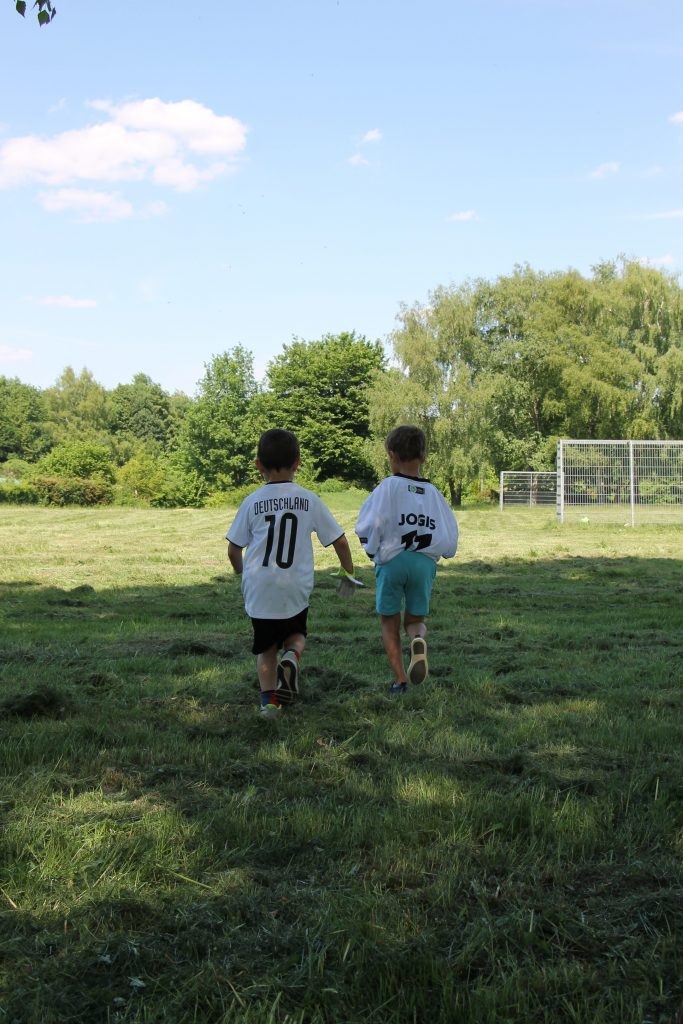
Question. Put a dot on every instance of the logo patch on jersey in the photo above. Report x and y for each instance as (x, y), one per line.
(415, 489)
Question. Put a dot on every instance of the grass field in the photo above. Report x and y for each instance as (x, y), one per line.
(504, 844)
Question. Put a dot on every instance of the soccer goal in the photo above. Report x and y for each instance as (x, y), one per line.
(627, 481)
(527, 488)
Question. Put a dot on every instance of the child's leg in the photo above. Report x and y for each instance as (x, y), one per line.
(266, 666)
(414, 625)
(418, 592)
(391, 638)
(295, 642)
(288, 670)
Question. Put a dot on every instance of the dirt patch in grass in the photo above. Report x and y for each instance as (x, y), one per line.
(46, 703)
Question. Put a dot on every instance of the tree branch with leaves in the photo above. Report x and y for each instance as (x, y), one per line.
(46, 10)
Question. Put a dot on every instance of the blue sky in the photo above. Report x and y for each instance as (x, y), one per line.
(178, 178)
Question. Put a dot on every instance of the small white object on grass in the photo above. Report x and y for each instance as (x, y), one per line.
(347, 584)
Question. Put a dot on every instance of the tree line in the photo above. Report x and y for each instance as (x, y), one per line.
(494, 371)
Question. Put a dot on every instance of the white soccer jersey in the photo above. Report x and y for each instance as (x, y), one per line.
(406, 513)
(275, 524)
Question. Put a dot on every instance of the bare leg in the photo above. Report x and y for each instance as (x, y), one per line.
(295, 642)
(418, 669)
(287, 685)
(391, 638)
(266, 666)
(414, 625)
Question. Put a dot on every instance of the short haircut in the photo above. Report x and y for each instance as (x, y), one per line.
(278, 449)
(407, 443)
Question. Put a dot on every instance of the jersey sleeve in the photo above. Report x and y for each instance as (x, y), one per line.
(239, 533)
(369, 524)
(326, 527)
(450, 528)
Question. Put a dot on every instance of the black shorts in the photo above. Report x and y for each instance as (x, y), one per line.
(269, 632)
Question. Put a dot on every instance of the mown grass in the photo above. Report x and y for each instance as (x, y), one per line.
(505, 844)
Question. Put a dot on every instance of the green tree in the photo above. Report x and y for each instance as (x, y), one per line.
(142, 410)
(218, 437)
(553, 370)
(496, 371)
(46, 10)
(141, 478)
(437, 384)
(22, 416)
(319, 389)
(83, 459)
(77, 406)
(642, 313)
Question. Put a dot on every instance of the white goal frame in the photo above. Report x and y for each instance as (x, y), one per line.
(631, 482)
(530, 487)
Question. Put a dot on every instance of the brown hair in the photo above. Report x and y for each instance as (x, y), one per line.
(407, 443)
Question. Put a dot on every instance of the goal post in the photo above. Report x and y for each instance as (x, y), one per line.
(627, 481)
(528, 488)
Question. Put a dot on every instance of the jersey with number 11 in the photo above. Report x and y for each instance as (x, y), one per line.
(275, 525)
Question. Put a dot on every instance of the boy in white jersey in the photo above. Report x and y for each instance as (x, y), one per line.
(275, 524)
(405, 526)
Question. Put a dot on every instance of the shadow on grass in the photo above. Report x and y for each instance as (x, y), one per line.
(498, 845)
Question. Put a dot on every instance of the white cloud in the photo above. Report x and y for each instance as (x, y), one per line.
(358, 160)
(677, 118)
(605, 170)
(374, 135)
(67, 302)
(88, 205)
(463, 216)
(192, 124)
(146, 140)
(185, 177)
(658, 261)
(14, 355)
(666, 215)
(156, 209)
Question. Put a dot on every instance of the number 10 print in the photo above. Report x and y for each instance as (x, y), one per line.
(283, 561)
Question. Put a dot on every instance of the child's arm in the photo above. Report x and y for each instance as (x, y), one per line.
(235, 556)
(341, 546)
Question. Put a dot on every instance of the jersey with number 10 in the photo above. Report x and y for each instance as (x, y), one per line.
(275, 524)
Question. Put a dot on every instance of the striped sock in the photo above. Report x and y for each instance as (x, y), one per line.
(268, 697)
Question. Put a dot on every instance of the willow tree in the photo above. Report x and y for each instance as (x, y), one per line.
(436, 383)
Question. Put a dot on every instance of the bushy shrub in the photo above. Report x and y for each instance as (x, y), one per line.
(141, 479)
(17, 469)
(231, 498)
(59, 491)
(181, 490)
(18, 494)
(79, 459)
(333, 486)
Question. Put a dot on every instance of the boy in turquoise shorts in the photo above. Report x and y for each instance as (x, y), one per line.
(405, 527)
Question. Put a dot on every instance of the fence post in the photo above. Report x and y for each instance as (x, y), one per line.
(500, 497)
(560, 484)
(632, 483)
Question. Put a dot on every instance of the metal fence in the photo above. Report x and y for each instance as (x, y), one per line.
(628, 481)
(527, 488)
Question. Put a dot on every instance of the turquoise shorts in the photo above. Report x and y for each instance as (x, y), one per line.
(407, 577)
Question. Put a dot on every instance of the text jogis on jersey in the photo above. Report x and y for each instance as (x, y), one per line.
(412, 519)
